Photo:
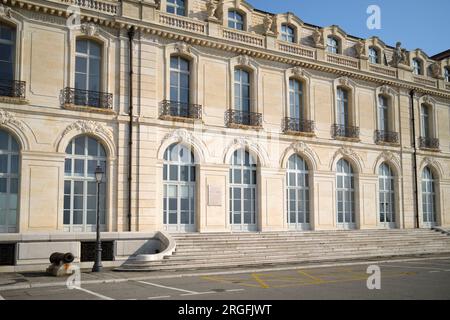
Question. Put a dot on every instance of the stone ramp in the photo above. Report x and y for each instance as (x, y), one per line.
(203, 251)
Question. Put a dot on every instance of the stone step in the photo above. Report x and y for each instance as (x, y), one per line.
(277, 262)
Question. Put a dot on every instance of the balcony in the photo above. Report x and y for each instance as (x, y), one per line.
(298, 126)
(174, 110)
(12, 89)
(242, 119)
(345, 132)
(84, 98)
(382, 137)
(109, 7)
(429, 143)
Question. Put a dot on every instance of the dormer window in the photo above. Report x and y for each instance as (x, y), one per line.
(373, 55)
(332, 45)
(177, 7)
(447, 74)
(417, 67)
(287, 33)
(235, 20)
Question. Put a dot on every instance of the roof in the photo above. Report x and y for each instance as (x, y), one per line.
(441, 56)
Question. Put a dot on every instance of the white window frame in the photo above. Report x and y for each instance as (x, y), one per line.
(447, 74)
(417, 66)
(333, 45)
(343, 112)
(184, 162)
(12, 151)
(296, 99)
(425, 121)
(176, 7)
(347, 190)
(429, 212)
(239, 166)
(178, 72)
(85, 179)
(89, 57)
(285, 33)
(374, 56)
(383, 113)
(239, 100)
(298, 204)
(12, 44)
(386, 207)
(234, 22)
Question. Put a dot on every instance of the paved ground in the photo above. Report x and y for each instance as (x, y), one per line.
(406, 279)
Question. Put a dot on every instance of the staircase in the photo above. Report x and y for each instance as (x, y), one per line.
(201, 251)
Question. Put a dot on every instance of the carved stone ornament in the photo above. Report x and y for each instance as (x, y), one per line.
(5, 11)
(299, 147)
(88, 126)
(180, 135)
(244, 60)
(317, 37)
(211, 7)
(182, 47)
(436, 70)
(268, 24)
(360, 49)
(298, 72)
(385, 89)
(89, 29)
(399, 56)
(428, 100)
(344, 81)
(7, 117)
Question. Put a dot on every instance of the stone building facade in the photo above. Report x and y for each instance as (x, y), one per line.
(242, 120)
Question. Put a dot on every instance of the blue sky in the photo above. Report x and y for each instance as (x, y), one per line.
(417, 24)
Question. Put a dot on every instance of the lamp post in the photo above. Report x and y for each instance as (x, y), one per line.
(98, 252)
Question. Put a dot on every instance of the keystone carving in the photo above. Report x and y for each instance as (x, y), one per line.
(244, 60)
(5, 11)
(88, 126)
(7, 117)
(182, 47)
(89, 29)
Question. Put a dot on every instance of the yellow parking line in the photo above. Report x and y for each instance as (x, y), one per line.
(304, 273)
(258, 279)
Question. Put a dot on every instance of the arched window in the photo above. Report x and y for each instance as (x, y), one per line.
(373, 55)
(9, 182)
(7, 59)
(332, 45)
(179, 86)
(88, 60)
(243, 191)
(242, 104)
(387, 194)
(297, 178)
(428, 196)
(179, 189)
(342, 107)
(345, 195)
(177, 7)
(447, 74)
(425, 119)
(287, 33)
(296, 105)
(383, 113)
(83, 155)
(417, 66)
(235, 20)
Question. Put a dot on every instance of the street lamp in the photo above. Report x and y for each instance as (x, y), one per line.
(98, 252)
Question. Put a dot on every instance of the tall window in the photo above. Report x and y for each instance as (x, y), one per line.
(417, 66)
(297, 178)
(342, 107)
(87, 65)
(177, 7)
(332, 45)
(425, 119)
(179, 80)
(83, 155)
(241, 90)
(7, 58)
(345, 194)
(243, 191)
(296, 99)
(179, 189)
(383, 116)
(287, 33)
(9, 182)
(235, 20)
(373, 55)
(387, 194)
(428, 196)
(447, 74)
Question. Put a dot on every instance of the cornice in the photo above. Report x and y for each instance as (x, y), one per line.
(113, 21)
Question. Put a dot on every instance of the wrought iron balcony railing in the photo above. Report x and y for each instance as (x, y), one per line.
(237, 117)
(382, 136)
(298, 125)
(95, 99)
(428, 143)
(180, 109)
(342, 131)
(12, 88)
